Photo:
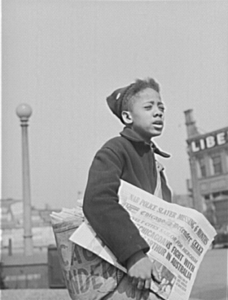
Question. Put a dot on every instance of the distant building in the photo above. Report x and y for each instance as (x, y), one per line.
(183, 200)
(208, 158)
(11, 219)
(12, 214)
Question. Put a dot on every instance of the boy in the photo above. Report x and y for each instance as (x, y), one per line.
(130, 157)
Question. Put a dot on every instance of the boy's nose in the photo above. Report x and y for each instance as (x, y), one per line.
(158, 112)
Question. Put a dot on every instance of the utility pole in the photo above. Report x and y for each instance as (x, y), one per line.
(24, 111)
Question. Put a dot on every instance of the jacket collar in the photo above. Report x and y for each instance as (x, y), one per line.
(131, 135)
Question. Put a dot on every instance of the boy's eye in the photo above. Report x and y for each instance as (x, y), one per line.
(148, 106)
(162, 108)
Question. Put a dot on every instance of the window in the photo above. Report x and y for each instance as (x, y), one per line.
(226, 167)
(202, 167)
(216, 164)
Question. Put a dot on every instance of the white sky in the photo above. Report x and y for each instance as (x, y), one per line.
(64, 57)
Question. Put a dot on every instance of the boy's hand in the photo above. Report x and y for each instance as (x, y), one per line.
(140, 269)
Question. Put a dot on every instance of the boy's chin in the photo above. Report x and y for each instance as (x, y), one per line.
(155, 134)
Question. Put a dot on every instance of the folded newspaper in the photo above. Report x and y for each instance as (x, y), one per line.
(179, 237)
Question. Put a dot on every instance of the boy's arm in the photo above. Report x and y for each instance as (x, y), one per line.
(108, 218)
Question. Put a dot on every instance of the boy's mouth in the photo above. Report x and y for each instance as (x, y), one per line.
(158, 124)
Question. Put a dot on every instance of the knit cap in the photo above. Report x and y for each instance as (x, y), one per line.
(116, 99)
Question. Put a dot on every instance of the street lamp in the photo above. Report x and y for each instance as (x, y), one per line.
(24, 111)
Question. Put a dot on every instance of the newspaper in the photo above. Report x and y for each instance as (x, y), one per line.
(178, 237)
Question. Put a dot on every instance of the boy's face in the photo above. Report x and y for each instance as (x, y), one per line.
(147, 114)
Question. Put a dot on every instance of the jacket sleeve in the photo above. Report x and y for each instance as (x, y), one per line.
(108, 218)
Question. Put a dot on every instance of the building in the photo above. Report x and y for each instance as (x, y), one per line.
(12, 230)
(208, 158)
(183, 200)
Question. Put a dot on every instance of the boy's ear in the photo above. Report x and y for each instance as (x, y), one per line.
(127, 118)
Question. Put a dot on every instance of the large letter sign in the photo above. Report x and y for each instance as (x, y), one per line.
(210, 141)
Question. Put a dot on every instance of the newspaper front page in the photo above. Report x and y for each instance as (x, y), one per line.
(178, 237)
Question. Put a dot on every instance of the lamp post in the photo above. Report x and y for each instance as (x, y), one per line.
(24, 111)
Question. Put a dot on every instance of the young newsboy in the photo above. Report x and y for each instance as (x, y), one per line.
(131, 157)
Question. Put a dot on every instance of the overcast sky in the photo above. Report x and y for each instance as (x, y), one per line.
(64, 57)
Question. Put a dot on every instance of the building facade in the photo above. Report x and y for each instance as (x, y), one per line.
(208, 158)
(12, 229)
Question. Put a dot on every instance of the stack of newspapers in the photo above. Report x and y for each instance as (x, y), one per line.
(67, 215)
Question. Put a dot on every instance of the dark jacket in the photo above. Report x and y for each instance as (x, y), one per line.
(129, 158)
